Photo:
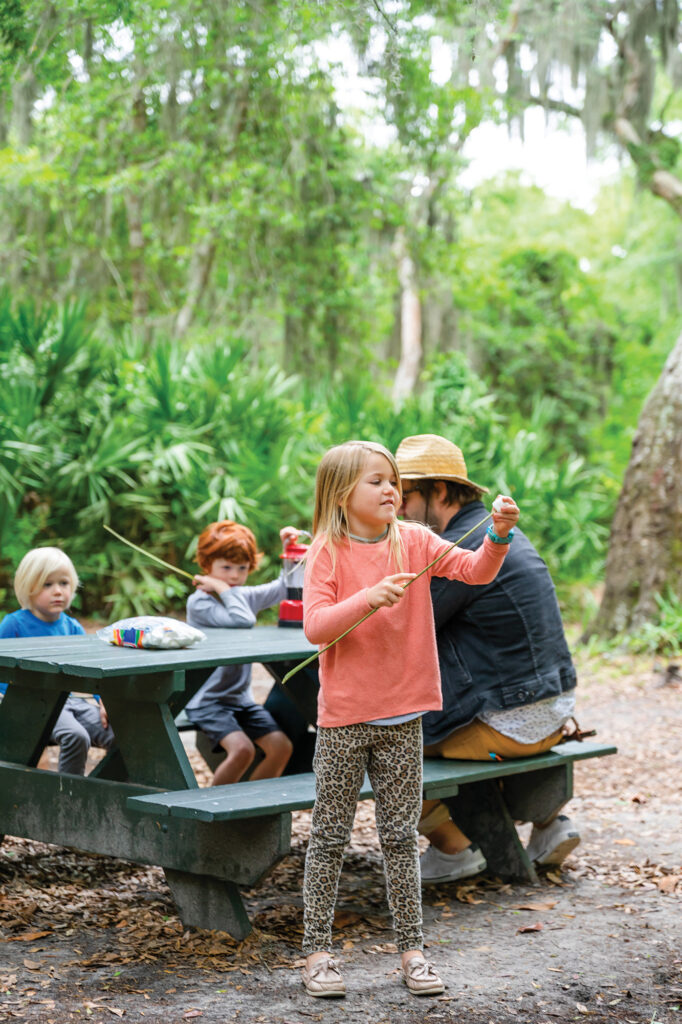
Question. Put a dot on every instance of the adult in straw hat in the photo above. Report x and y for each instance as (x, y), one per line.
(507, 674)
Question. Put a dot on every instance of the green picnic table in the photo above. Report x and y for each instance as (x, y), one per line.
(142, 802)
(143, 691)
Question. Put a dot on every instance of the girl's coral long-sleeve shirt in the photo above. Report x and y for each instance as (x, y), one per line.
(388, 666)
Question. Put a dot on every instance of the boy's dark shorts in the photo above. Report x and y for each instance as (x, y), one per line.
(218, 720)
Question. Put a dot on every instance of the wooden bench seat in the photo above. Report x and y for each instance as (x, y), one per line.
(484, 797)
(264, 797)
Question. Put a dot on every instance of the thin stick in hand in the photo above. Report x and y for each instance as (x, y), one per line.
(142, 551)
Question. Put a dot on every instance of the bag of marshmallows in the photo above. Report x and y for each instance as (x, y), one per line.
(151, 631)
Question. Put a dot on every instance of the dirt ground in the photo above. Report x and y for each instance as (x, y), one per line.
(89, 938)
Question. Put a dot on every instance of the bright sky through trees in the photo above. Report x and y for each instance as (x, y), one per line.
(550, 153)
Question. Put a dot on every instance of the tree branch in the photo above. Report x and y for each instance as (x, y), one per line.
(660, 181)
(549, 104)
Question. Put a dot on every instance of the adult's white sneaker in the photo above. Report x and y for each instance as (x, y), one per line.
(437, 867)
(553, 844)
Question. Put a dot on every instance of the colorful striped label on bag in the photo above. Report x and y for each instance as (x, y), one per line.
(130, 637)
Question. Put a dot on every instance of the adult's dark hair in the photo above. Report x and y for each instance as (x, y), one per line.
(455, 493)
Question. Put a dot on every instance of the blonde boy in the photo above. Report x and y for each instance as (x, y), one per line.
(44, 584)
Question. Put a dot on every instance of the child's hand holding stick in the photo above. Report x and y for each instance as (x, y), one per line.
(389, 590)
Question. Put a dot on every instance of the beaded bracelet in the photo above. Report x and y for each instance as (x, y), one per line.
(497, 539)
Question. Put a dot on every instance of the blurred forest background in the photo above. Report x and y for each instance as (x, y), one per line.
(214, 264)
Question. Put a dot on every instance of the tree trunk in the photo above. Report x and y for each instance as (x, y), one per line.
(298, 351)
(645, 548)
(136, 243)
(4, 127)
(136, 246)
(410, 325)
(23, 98)
(200, 271)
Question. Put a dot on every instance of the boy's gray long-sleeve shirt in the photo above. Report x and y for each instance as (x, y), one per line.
(236, 609)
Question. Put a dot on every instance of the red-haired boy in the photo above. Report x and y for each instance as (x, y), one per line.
(224, 707)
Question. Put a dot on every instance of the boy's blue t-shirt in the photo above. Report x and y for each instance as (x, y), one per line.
(25, 623)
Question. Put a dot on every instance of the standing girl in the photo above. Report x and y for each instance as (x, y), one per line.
(374, 685)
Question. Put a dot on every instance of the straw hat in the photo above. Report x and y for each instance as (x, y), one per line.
(431, 457)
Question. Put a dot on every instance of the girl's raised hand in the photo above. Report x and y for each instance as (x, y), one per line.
(288, 535)
(389, 590)
(505, 514)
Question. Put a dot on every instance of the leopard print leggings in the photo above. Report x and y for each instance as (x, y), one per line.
(392, 757)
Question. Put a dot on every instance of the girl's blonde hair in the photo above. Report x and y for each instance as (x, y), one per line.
(35, 567)
(338, 473)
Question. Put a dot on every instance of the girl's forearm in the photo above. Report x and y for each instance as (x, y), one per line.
(323, 621)
(473, 567)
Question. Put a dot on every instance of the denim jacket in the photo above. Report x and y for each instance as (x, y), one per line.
(500, 645)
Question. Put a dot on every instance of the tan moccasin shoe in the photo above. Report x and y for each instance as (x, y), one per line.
(323, 979)
(421, 977)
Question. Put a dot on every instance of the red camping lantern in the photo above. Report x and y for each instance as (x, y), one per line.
(291, 609)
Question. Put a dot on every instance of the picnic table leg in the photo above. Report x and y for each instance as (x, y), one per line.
(111, 767)
(27, 718)
(538, 795)
(206, 902)
(480, 811)
(160, 758)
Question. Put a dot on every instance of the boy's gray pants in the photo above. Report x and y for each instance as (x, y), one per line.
(77, 729)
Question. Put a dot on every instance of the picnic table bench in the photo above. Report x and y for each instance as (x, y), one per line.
(532, 789)
(142, 802)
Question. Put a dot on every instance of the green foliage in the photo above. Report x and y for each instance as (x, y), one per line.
(663, 636)
(183, 163)
(534, 322)
(193, 164)
(566, 502)
(159, 447)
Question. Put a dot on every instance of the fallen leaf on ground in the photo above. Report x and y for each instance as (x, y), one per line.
(468, 897)
(534, 906)
(345, 917)
(25, 937)
(537, 927)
